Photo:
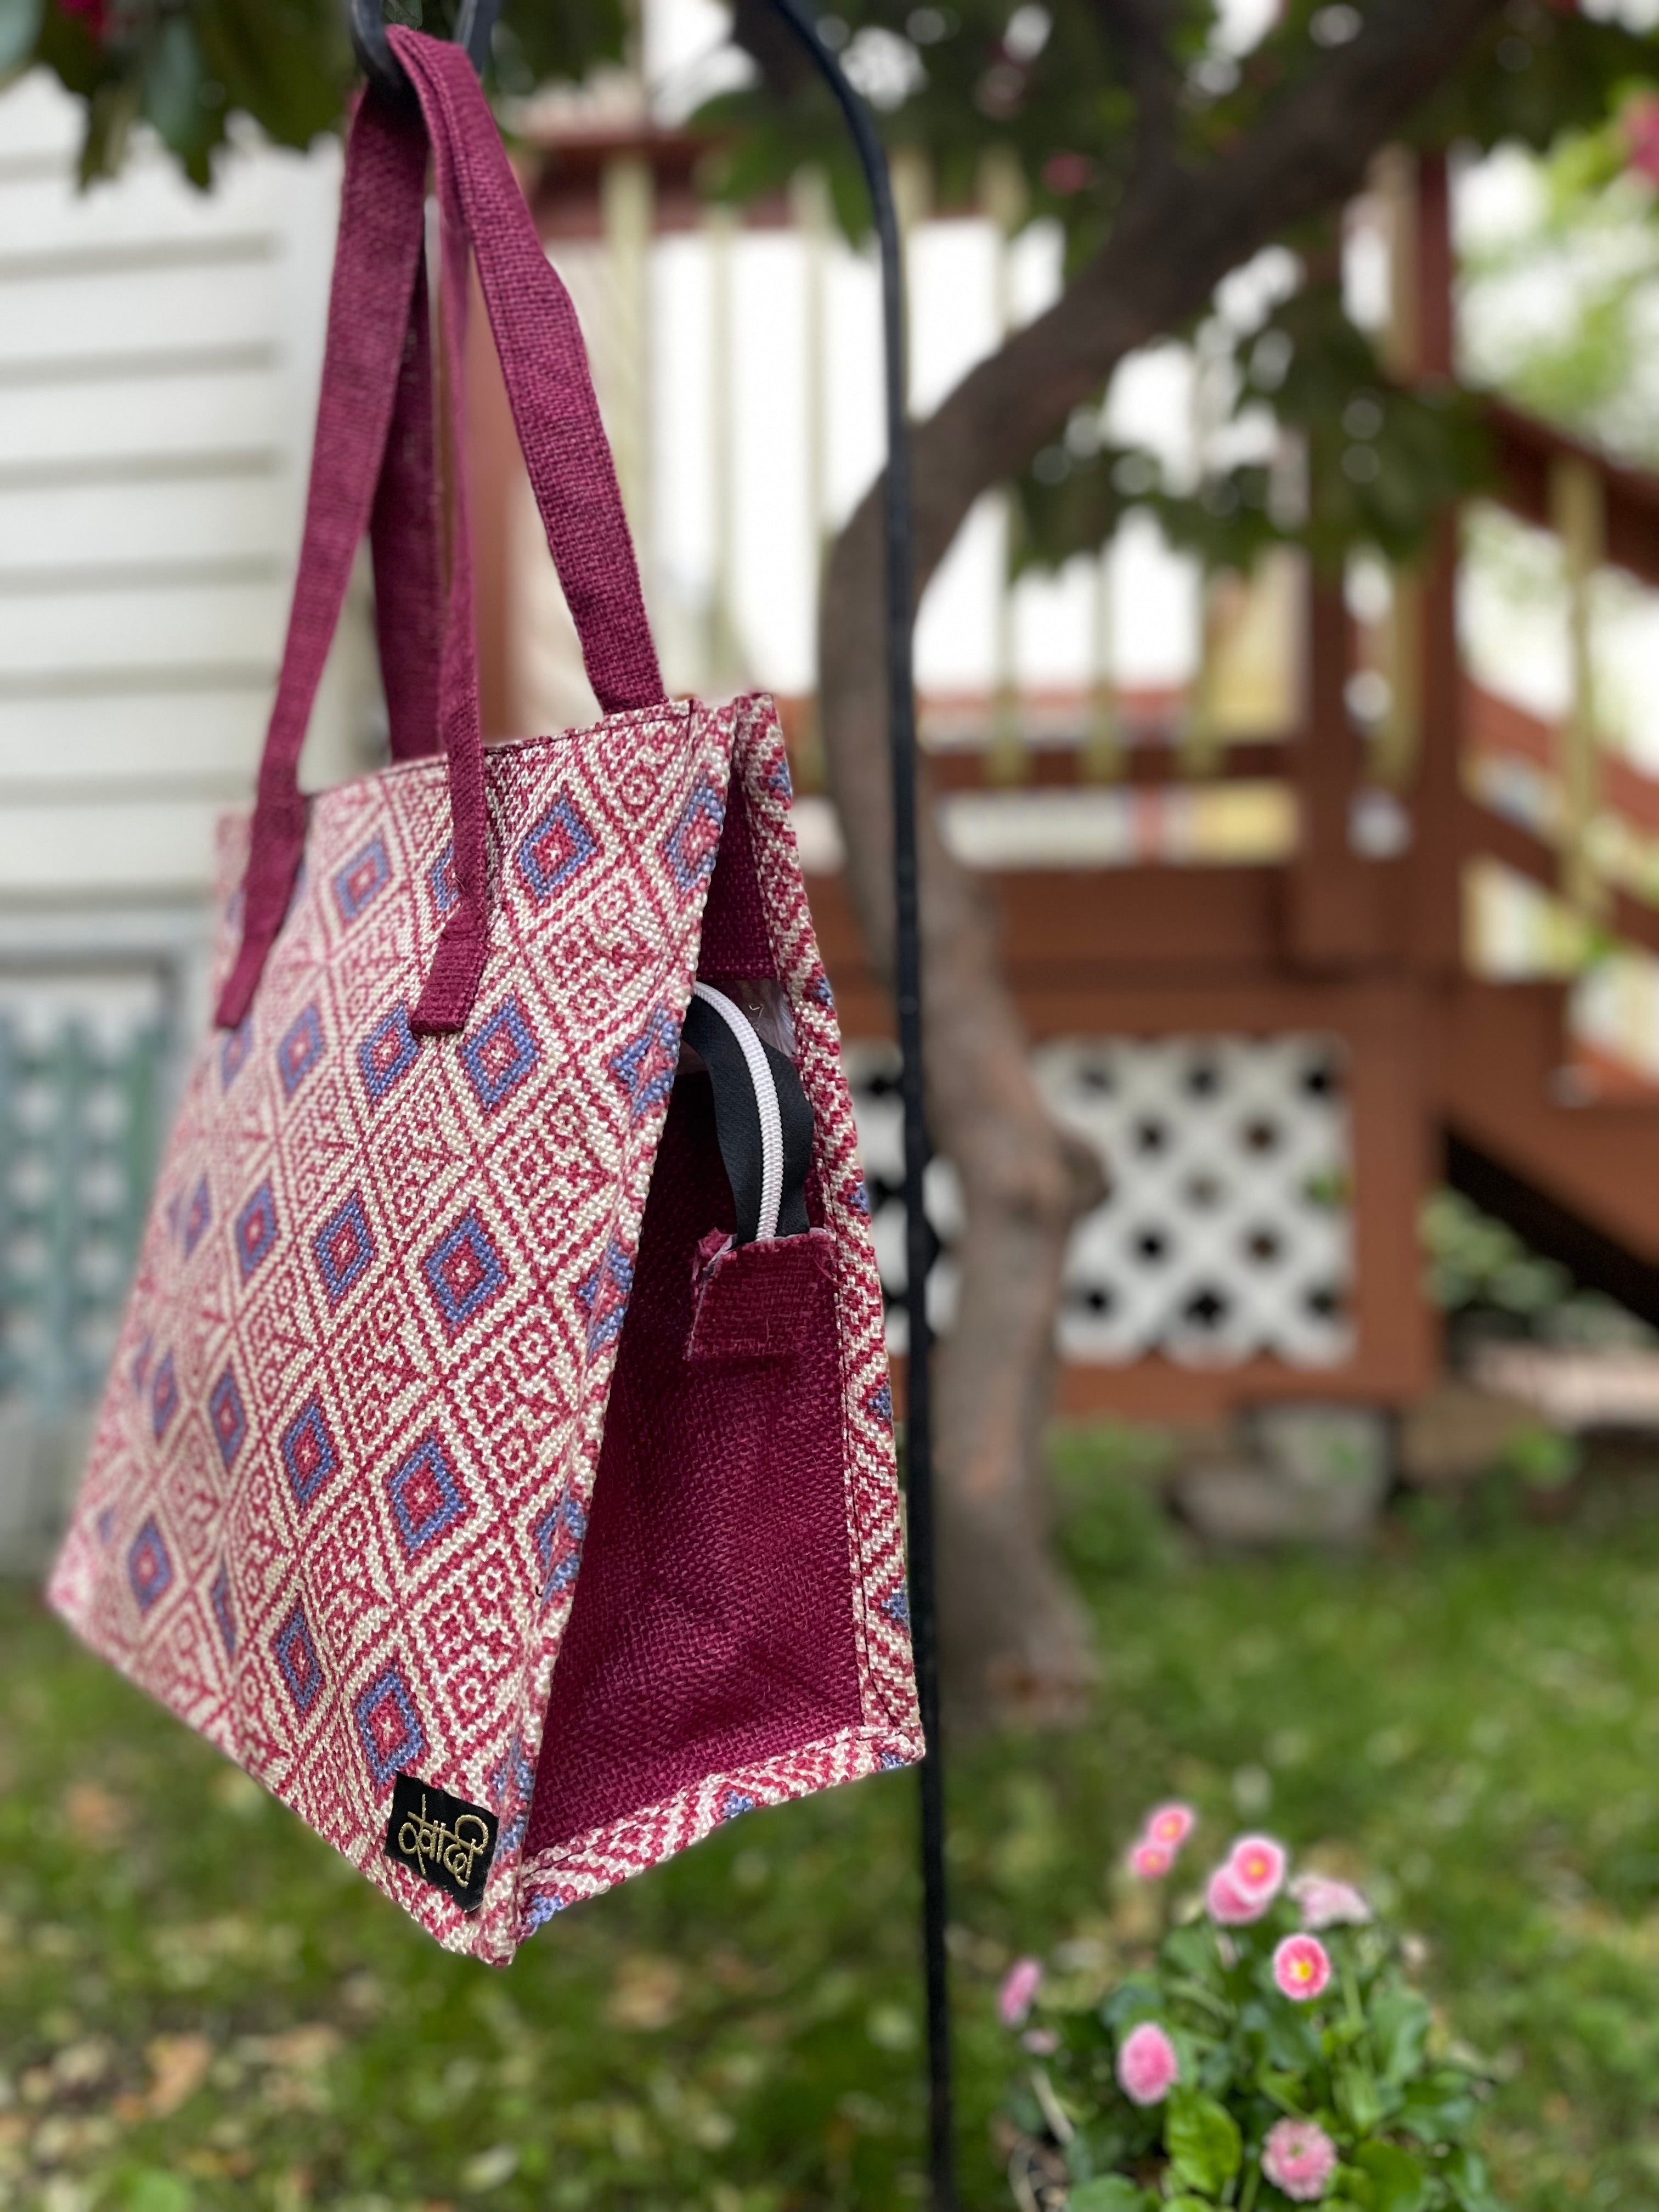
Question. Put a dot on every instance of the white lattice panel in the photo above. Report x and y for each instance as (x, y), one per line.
(1227, 1233)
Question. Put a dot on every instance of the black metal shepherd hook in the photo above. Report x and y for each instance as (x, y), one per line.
(906, 979)
(473, 27)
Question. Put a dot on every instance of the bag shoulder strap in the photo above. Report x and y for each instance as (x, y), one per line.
(554, 407)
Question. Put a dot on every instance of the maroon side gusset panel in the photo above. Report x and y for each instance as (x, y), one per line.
(712, 1626)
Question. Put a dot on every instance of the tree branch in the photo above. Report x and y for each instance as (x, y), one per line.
(1012, 1638)
(1180, 233)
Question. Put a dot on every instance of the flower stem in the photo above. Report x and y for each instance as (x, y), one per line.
(1350, 1994)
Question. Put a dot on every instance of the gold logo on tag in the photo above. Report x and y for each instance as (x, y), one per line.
(441, 1838)
(421, 1838)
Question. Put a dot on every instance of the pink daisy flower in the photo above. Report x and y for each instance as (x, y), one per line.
(1327, 1903)
(1641, 134)
(1019, 1986)
(1150, 1861)
(1147, 2068)
(1299, 2158)
(1257, 1865)
(1170, 1825)
(1302, 1967)
(1226, 1903)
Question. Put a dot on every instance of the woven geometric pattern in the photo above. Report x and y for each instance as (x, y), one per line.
(334, 1511)
(1227, 1232)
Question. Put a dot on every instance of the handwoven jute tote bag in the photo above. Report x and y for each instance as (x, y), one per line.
(497, 1460)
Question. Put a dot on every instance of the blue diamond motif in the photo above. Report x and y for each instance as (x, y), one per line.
(343, 1248)
(388, 1051)
(363, 875)
(388, 1727)
(512, 1786)
(219, 1597)
(149, 1571)
(163, 1398)
(646, 1067)
(694, 841)
(555, 849)
(427, 1497)
(464, 1273)
(557, 1536)
(234, 1052)
(200, 1213)
(300, 1050)
(309, 1453)
(603, 1296)
(256, 1229)
(230, 1421)
(441, 882)
(502, 1054)
(296, 1654)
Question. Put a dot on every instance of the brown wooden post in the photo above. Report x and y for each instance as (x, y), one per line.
(1331, 902)
(1434, 913)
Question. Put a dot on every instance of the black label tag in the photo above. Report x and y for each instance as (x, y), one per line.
(442, 1839)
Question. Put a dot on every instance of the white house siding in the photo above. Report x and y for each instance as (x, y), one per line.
(159, 352)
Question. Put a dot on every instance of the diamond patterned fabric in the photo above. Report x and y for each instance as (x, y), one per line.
(402, 1407)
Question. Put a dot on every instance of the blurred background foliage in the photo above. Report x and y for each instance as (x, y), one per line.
(1038, 102)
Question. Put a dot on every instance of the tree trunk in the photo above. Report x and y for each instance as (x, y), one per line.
(1014, 1641)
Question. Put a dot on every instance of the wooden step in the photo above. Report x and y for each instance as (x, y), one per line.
(1499, 1080)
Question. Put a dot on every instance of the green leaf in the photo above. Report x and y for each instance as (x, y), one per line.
(1355, 2093)
(1281, 2088)
(1108, 2192)
(150, 2189)
(1398, 2180)
(1399, 2031)
(1471, 2187)
(1437, 2111)
(1191, 1951)
(20, 26)
(1350, 2181)
(172, 79)
(1130, 2001)
(1203, 2140)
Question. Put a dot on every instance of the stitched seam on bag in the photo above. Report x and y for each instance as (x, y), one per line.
(864, 1744)
(873, 1684)
(759, 710)
(710, 745)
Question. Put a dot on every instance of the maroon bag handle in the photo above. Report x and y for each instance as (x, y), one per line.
(403, 534)
(545, 371)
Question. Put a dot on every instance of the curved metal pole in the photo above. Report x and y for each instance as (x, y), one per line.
(474, 23)
(906, 977)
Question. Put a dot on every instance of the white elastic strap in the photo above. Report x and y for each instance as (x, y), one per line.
(766, 1102)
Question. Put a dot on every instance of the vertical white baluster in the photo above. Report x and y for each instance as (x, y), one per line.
(809, 193)
(627, 192)
(1576, 512)
(1002, 195)
(725, 672)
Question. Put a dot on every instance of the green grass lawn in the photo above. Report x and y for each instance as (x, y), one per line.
(201, 2006)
